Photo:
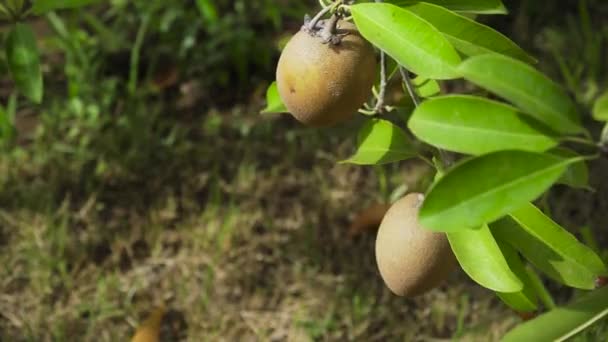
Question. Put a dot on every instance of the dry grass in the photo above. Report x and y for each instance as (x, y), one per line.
(258, 251)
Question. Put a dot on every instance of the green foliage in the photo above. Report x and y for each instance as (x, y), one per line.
(43, 6)
(484, 189)
(577, 174)
(24, 61)
(407, 38)
(525, 300)
(468, 36)
(550, 248)
(563, 323)
(274, 104)
(523, 85)
(381, 142)
(483, 260)
(467, 6)
(454, 123)
(600, 108)
(513, 154)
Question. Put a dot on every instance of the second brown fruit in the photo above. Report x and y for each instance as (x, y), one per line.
(411, 259)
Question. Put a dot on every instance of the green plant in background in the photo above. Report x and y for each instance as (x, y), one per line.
(493, 158)
(22, 53)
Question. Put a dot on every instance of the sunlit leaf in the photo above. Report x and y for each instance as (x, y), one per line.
(468, 36)
(563, 323)
(24, 61)
(526, 299)
(526, 87)
(474, 125)
(426, 87)
(600, 109)
(481, 259)
(550, 248)
(467, 6)
(410, 40)
(274, 104)
(486, 188)
(380, 142)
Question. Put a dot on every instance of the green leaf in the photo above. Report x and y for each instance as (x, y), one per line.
(526, 87)
(563, 323)
(600, 109)
(24, 61)
(381, 142)
(524, 300)
(550, 248)
(425, 87)
(481, 258)
(208, 11)
(410, 40)
(468, 36)
(274, 104)
(43, 6)
(7, 128)
(486, 188)
(466, 6)
(540, 289)
(577, 174)
(474, 125)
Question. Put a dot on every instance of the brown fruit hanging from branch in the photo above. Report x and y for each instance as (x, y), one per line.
(412, 260)
(326, 73)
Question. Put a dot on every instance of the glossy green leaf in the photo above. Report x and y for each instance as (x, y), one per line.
(475, 125)
(563, 323)
(486, 188)
(600, 108)
(524, 300)
(577, 174)
(468, 36)
(274, 104)
(410, 40)
(540, 289)
(426, 87)
(380, 142)
(481, 259)
(466, 6)
(24, 61)
(43, 6)
(526, 87)
(550, 248)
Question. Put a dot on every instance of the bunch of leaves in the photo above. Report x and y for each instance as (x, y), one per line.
(221, 44)
(512, 149)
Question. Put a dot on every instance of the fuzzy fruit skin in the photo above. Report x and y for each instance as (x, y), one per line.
(324, 84)
(412, 260)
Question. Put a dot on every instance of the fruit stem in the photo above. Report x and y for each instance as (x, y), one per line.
(311, 25)
(328, 33)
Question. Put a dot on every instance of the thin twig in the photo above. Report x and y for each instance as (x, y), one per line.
(383, 83)
(446, 158)
(409, 86)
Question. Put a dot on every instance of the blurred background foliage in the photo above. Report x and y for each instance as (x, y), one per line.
(147, 177)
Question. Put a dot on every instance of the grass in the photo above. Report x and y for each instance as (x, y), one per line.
(116, 202)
